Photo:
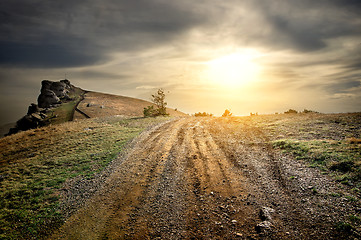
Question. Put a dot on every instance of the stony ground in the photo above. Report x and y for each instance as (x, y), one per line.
(199, 178)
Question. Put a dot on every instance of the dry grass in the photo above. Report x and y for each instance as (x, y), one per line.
(99, 105)
(328, 141)
(34, 165)
(353, 140)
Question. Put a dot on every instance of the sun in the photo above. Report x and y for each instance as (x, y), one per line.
(233, 70)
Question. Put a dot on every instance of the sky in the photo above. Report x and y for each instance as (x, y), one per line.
(209, 55)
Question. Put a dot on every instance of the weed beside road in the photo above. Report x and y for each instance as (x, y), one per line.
(339, 158)
(330, 142)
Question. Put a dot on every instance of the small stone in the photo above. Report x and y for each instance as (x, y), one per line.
(36, 116)
(263, 226)
(239, 234)
(265, 213)
(234, 221)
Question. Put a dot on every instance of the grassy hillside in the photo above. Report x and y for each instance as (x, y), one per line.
(35, 165)
(94, 105)
(99, 105)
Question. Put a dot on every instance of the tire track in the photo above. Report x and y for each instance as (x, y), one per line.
(265, 179)
(192, 178)
(153, 218)
(114, 202)
(216, 208)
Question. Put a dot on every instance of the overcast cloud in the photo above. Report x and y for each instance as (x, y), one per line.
(309, 48)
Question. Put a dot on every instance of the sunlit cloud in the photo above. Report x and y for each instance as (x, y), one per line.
(251, 55)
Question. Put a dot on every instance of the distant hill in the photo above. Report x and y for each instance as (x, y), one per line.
(96, 104)
(60, 102)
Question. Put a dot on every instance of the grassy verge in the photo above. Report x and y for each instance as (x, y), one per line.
(331, 142)
(340, 158)
(35, 164)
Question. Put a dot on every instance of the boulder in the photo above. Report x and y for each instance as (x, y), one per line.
(52, 92)
(45, 84)
(59, 88)
(27, 122)
(265, 213)
(33, 108)
(47, 99)
(66, 82)
(263, 226)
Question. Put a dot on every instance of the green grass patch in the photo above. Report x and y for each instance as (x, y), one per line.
(35, 164)
(344, 227)
(339, 158)
(64, 112)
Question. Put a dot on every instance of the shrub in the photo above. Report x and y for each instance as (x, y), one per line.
(226, 113)
(204, 114)
(291, 111)
(344, 227)
(344, 166)
(149, 111)
(309, 111)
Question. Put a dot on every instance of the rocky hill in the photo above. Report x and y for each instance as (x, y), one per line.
(54, 96)
(60, 101)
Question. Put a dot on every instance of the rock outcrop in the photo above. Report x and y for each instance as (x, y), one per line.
(52, 94)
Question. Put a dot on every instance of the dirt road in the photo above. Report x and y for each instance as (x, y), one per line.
(195, 178)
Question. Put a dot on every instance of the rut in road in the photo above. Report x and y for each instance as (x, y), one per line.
(182, 181)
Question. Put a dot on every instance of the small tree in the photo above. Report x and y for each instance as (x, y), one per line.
(158, 100)
(227, 113)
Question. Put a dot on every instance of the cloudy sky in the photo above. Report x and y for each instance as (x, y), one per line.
(244, 55)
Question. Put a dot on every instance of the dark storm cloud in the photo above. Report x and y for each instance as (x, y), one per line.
(343, 82)
(47, 54)
(91, 74)
(69, 33)
(304, 25)
(80, 33)
(352, 6)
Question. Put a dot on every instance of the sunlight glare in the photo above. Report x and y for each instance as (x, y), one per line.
(234, 70)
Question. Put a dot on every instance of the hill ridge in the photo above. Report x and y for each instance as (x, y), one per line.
(59, 100)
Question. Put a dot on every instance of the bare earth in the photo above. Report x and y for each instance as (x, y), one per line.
(97, 104)
(192, 178)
